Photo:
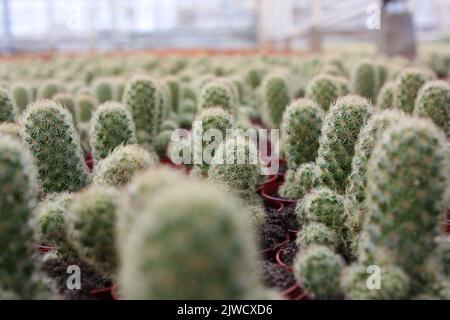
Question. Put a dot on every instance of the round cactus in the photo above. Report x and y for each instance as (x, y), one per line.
(433, 101)
(20, 95)
(276, 98)
(103, 90)
(48, 90)
(174, 86)
(51, 137)
(299, 182)
(316, 233)
(300, 132)
(213, 118)
(318, 271)
(407, 87)
(406, 193)
(385, 99)
(7, 109)
(162, 142)
(394, 284)
(11, 129)
(234, 168)
(217, 93)
(365, 80)
(143, 98)
(111, 126)
(340, 132)
(66, 100)
(122, 164)
(324, 89)
(85, 107)
(197, 227)
(169, 124)
(91, 221)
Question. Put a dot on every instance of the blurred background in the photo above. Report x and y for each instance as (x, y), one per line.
(103, 25)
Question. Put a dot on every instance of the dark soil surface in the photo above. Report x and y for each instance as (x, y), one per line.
(276, 276)
(288, 252)
(90, 279)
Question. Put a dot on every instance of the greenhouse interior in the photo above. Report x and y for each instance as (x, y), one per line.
(225, 150)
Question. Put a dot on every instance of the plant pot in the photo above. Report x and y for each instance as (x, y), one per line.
(294, 293)
(104, 293)
(278, 257)
(45, 249)
(89, 161)
(448, 228)
(269, 192)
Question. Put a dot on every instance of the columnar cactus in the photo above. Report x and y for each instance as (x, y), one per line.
(316, 233)
(340, 132)
(213, 118)
(103, 90)
(20, 95)
(162, 142)
(67, 101)
(122, 164)
(324, 89)
(365, 80)
(85, 105)
(195, 226)
(174, 86)
(433, 101)
(235, 166)
(385, 99)
(48, 89)
(11, 129)
(143, 98)
(111, 126)
(318, 271)
(406, 195)
(300, 181)
(7, 109)
(407, 87)
(217, 93)
(91, 222)
(276, 98)
(50, 135)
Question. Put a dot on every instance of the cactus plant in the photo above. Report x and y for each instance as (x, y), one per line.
(20, 95)
(85, 106)
(7, 108)
(122, 164)
(51, 137)
(213, 118)
(385, 99)
(300, 132)
(276, 98)
(91, 221)
(299, 182)
(143, 98)
(324, 89)
(111, 126)
(217, 93)
(11, 129)
(407, 87)
(162, 142)
(103, 90)
(406, 195)
(433, 101)
(316, 233)
(67, 101)
(365, 80)
(48, 89)
(174, 86)
(318, 271)
(195, 226)
(340, 132)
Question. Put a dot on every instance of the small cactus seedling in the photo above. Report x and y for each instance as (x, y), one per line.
(122, 164)
(85, 105)
(385, 99)
(111, 126)
(318, 271)
(50, 135)
(365, 80)
(299, 182)
(316, 233)
(196, 226)
(300, 132)
(91, 221)
(20, 95)
(217, 93)
(340, 132)
(433, 101)
(276, 98)
(407, 87)
(143, 98)
(103, 90)
(324, 89)
(7, 109)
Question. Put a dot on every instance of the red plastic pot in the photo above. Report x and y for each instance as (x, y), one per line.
(89, 161)
(45, 249)
(294, 293)
(104, 293)
(269, 192)
(448, 228)
(278, 257)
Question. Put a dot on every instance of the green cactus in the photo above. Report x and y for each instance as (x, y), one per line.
(365, 80)
(20, 95)
(433, 101)
(91, 221)
(111, 126)
(407, 87)
(48, 89)
(276, 97)
(318, 271)
(143, 98)
(406, 195)
(213, 118)
(85, 106)
(11, 129)
(217, 93)
(254, 77)
(122, 164)
(66, 100)
(7, 109)
(385, 99)
(174, 86)
(316, 233)
(234, 167)
(169, 124)
(50, 135)
(394, 284)
(324, 89)
(299, 182)
(300, 132)
(103, 90)
(162, 142)
(195, 226)
(340, 132)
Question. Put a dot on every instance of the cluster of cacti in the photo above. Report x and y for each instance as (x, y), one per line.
(324, 90)
(276, 97)
(7, 109)
(300, 181)
(365, 80)
(50, 135)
